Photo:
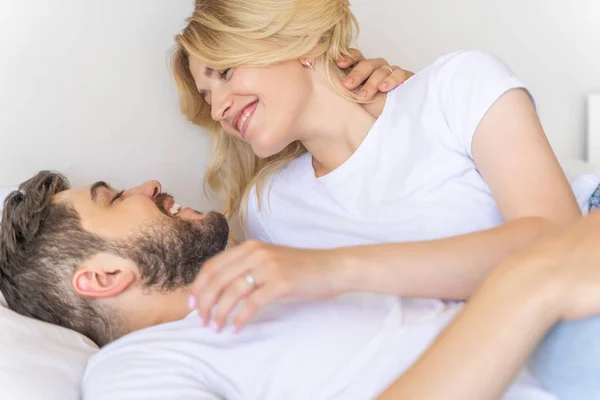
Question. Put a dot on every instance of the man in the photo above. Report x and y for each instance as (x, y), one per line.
(102, 262)
(117, 266)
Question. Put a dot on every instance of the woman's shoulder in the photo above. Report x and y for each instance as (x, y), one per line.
(457, 70)
(473, 60)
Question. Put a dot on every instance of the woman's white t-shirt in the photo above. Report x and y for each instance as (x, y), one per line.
(413, 178)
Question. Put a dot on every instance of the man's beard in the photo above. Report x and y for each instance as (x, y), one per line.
(170, 253)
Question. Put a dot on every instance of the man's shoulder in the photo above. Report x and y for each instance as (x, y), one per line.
(145, 344)
(157, 355)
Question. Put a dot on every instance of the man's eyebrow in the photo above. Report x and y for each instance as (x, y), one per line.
(96, 186)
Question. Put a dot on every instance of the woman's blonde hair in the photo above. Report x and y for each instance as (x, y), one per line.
(229, 33)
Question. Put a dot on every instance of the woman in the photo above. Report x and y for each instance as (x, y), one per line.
(419, 193)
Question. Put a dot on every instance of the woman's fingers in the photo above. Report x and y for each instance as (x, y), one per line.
(255, 301)
(220, 272)
(239, 289)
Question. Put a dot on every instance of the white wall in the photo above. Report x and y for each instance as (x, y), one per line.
(85, 89)
(84, 85)
(553, 45)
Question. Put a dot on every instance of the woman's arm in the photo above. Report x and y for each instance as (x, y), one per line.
(478, 354)
(533, 195)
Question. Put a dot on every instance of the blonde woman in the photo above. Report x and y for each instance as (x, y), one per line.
(419, 193)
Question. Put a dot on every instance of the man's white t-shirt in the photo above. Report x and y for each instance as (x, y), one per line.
(411, 179)
(348, 348)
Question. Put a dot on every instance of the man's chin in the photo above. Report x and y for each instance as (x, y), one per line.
(220, 226)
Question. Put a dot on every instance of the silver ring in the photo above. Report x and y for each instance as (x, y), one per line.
(388, 67)
(251, 280)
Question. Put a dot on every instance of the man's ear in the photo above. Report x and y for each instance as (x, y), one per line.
(104, 275)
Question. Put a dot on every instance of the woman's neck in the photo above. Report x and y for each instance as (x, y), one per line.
(334, 127)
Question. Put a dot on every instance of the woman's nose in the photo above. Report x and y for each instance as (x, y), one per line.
(220, 108)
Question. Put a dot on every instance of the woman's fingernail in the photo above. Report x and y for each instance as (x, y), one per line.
(192, 302)
(362, 94)
(349, 81)
(214, 326)
(201, 320)
(383, 86)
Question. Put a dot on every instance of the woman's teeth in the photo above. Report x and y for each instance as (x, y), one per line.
(245, 116)
(175, 209)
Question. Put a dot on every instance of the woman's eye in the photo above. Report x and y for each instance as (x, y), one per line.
(225, 73)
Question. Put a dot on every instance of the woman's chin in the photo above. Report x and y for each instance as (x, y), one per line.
(262, 150)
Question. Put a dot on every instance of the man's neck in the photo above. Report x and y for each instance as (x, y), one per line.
(157, 308)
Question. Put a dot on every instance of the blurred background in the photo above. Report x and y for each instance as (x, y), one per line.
(85, 86)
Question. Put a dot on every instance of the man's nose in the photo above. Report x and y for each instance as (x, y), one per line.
(151, 189)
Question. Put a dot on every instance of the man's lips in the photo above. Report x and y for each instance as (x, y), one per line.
(168, 204)
(174, 210)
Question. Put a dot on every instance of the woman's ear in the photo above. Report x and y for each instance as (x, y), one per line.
(104, 275)
(306, 62)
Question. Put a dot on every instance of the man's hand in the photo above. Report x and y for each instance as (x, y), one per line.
(378, 74)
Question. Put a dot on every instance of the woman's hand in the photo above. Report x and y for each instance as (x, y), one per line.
(571, 261)
(378, 74)
(259, 274)
(564, 265)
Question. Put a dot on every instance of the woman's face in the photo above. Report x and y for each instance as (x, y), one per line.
(264, 106)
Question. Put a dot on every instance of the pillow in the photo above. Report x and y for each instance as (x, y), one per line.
(39, 360)
(3, 193)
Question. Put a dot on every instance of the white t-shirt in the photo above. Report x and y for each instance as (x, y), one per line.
(413, 177)
(348, 348)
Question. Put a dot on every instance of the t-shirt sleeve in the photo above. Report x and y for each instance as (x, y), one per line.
(135, 377)
(253, 228)
(467, 84)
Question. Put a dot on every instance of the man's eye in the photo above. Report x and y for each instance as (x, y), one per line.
(117, 196)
